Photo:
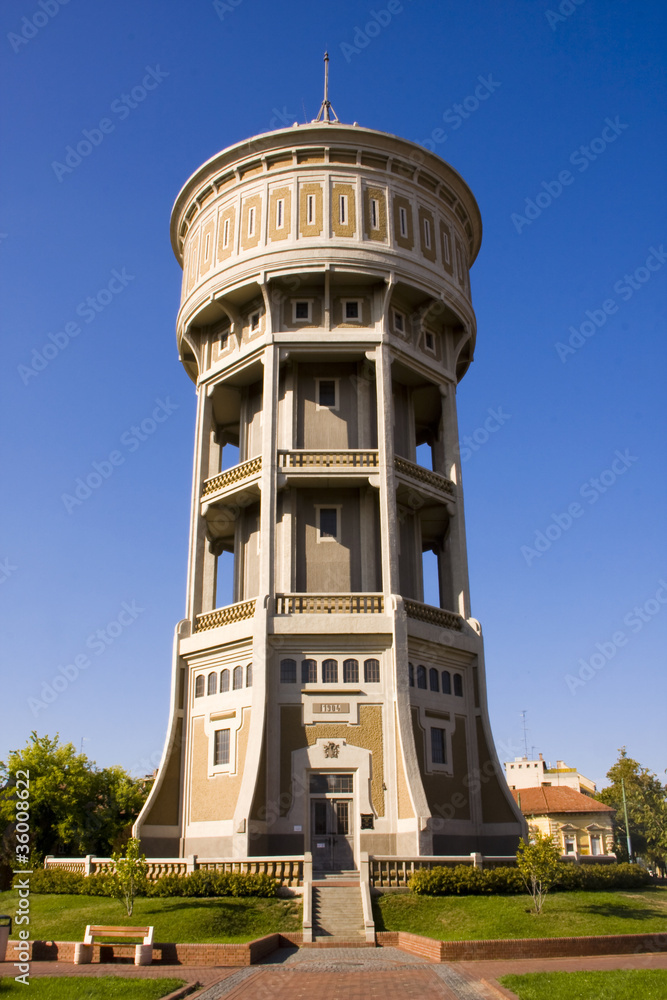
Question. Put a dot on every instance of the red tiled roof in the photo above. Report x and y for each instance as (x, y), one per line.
(543, 800)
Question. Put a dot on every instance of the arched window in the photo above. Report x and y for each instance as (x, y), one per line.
(458, 685)
(433, 679)
(248, 676)
(411, 675)
(371, 671)
(224, 680)
(309, 671)
(288, 671)
(212, 684)
(200, 685)
(350, 671)
(237, 679)
(421, 677)
(330, 672)
(446, 682)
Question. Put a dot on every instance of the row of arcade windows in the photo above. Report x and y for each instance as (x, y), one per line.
(433, 680)
(204, 685)
(288, 671)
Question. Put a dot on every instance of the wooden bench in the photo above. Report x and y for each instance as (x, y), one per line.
(143, 953)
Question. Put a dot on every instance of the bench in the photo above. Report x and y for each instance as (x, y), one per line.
(143, 953)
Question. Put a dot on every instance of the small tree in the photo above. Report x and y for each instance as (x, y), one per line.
(129, 874)
(538, 863)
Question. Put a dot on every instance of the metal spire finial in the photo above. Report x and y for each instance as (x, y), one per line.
(326, 111)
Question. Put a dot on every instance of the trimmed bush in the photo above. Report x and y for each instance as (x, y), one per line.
(464, 880)
(200, 883)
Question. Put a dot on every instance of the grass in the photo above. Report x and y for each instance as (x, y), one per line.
(199, 921)
(620, 984)
(565, 914)
(87, 988)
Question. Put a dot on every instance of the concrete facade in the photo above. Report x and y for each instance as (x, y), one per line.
(326, 320)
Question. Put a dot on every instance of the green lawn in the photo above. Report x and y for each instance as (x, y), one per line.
(565, 914)
(620, 984)
(64, 918)
(86, 988)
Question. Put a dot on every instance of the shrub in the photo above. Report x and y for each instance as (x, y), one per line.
(205, 883)
(56, 880)
(466, 880)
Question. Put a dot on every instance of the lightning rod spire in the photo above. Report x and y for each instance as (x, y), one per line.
(326, 110)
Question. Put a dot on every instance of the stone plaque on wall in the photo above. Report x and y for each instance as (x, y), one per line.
(331, 708)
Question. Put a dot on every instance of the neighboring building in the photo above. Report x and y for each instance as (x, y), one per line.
(580, 825)
(524, 773)
(326, 320)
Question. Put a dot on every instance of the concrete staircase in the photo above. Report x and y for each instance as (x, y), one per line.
(337, 911)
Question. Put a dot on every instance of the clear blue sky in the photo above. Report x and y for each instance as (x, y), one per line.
(554, 83)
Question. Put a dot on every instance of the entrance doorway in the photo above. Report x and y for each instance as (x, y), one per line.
(331, 821)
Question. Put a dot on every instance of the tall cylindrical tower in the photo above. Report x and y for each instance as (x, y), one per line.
(320, 701)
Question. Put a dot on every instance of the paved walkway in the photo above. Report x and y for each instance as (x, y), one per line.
(349, 974)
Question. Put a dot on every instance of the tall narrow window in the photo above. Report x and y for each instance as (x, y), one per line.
(309, 671)
(248, 675)
(288, 671)
(224, 681)
(207, 246)
(350, 671)
(446, 248)
(225, 234)
(237, 678)
(200, 686)
(438, 746)
(375, 213)
(342, 209)
(399, 321)
(433, 679)
(327, 394)
(403, 221)
(458, 685)
(427, 234)
(446, 682)
(330, 672)
(411, 675)
(221, 747)
(301, 311)
(371, 671)
(310, 209)
(459, 265)
(280, 213)
(328, 524)
(251, 221)
(212, 687)
(421, 677)
(352, 310)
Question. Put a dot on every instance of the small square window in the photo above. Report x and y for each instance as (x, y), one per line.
(327, 393)
(438, 746)
(352, 310)
(399, 321)
(254, 321)
(221, 747)
(301, 311)
(328, 523)
(429, 341)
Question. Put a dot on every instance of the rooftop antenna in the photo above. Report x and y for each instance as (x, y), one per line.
(326, 111)
(525, 734)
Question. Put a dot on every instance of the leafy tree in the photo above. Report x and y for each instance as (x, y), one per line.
(129, 875)
(646, 799)
(76, 808)
(538, 862)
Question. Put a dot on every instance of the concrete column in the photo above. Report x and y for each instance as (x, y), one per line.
(367, 541)
(456, 540)
(388, 518)
(199, 567)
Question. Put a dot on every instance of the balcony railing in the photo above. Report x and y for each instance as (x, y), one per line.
(329, 604)
(225, 616)
(306, 458)
(434, 616)
(426, 476)
(232, 476)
